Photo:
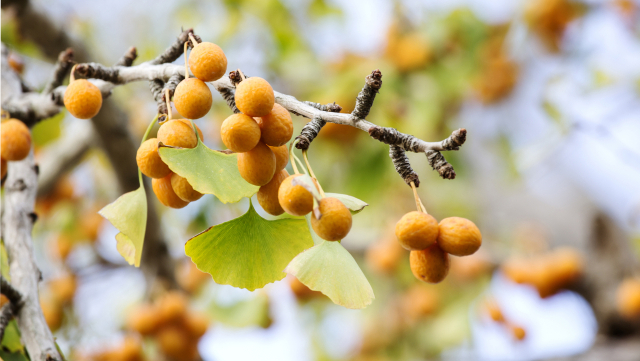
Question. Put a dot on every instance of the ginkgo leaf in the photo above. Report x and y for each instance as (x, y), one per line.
(129, 215)
(249, 251)
(11, 339)
(209, 171)
(329, 268)
(354, 204)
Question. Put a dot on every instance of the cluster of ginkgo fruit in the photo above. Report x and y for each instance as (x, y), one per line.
(169, 321)
(16, 142)
(259, 134)
(431, 243)
(192, 99)
(548, 272)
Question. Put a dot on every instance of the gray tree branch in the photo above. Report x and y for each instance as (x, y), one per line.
(17, 220)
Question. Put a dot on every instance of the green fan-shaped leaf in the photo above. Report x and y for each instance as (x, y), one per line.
(354, 204)
(249, 251)
(209, 171)
(11, 339)
(329, 268)
(129, 215)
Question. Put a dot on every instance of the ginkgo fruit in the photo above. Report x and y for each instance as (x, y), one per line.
(459, 236)
(196, 323)
(143, 319)
(254, 97)
(61, 246)
(276, 127)
(268, 194)
(419, 301)
(172, 341)
(417, 230)
(165, 193)
(63, 288)
(16, 140)
(294, 199)
(493, 310)
(282, 156)
(188, 122)
(90, 223)
(384, 256)
(172, 307)
(548, 273)
(240, 133)
(258, 165)
(301, 291)
(190, 278)
(335, 220)
(430, 265)
(207, 61)
(52, 311)
(471, 267)
(628, 298)
(518, 332)
(192, 98)
(83, 99)
(177, 133)
(130, 350)
(183, 189)
(149, 160)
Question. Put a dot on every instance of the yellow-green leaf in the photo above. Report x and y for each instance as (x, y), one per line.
(329, 268)
(249, 251)
(354, 204)
(11, 339)
(209, 171)
(129, 215)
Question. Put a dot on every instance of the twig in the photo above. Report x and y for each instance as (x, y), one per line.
(310, 132)
(364, 101)
(60, 71)
(12, 294)
(401, 163)
(128, 58)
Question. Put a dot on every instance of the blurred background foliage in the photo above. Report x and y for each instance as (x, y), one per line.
(531, 81)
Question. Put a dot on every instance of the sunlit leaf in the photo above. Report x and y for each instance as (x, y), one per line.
(354, 204)
(209, 171)
(329, 268)
(129, 215)
(13, 356)
(249, 251)
(11, 339)
(252, 312)
(4, 262)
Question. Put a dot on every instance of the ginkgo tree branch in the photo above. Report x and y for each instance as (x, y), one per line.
(169, 74)
(17, 223)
